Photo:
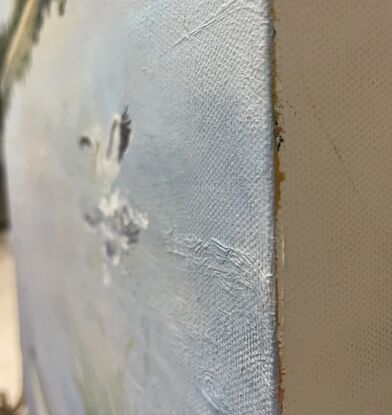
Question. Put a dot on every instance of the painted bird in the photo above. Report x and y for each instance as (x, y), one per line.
(109, 156)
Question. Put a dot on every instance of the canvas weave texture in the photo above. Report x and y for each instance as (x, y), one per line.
(143, 209)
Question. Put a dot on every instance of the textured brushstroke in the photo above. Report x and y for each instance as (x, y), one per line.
(117, 223)
(232, 284)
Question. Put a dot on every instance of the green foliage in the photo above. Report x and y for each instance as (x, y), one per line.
(24, 57)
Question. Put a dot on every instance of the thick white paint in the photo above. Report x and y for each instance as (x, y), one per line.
(181, 321)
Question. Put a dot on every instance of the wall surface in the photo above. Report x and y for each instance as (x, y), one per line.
(140, 159)
(334, 90)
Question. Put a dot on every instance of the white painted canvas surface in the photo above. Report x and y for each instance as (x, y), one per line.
(146, 268)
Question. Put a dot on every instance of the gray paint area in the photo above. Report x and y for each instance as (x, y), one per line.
(140, 160)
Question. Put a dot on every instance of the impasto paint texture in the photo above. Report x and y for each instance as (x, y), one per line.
(140, 157)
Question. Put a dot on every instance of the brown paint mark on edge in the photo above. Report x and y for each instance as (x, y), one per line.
(279, 178)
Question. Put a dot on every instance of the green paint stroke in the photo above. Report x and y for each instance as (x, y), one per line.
(17, 39)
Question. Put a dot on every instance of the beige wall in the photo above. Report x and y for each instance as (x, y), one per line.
(334, 89)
